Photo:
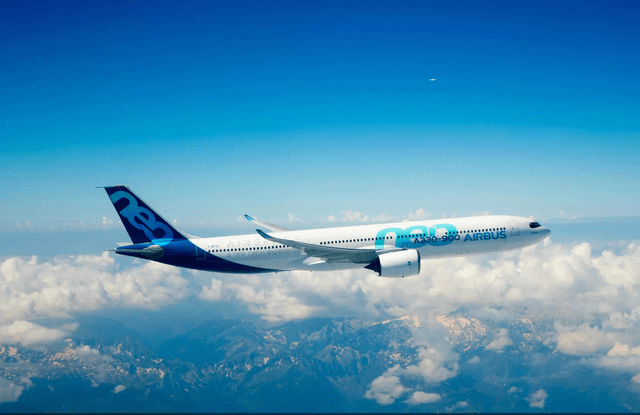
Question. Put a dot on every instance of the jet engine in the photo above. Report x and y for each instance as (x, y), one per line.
(397, 264)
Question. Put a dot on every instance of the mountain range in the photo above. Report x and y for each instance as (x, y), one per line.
(312, 365)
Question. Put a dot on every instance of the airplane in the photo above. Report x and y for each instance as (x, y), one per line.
(390, 250)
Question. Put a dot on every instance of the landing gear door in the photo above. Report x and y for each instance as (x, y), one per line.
(514, 228)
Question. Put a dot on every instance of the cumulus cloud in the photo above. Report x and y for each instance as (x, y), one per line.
(537, 399)
(213, 292)
(473, 361)
(583, 340)
(435, 365)
(86, 351)
(349, 216)
(591, 295)
(457, 406)
(419, 214)
(620, 270)
(382, 218)
(419, 397)
(293, 219)
(273, 305)
(30, 289)
(619, 349)
(501, 341)
(563, 279)
(386, 388)
(27, 333)
(483, 213)
(10, 391)
(119, 388)
(595, 290)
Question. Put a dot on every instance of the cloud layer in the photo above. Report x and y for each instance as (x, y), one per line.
(591, 296)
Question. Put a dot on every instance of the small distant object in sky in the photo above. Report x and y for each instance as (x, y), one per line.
(432, 79)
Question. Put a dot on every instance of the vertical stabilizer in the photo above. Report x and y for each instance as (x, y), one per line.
(140, 221)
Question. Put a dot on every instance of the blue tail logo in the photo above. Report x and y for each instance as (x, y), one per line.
(142, 223)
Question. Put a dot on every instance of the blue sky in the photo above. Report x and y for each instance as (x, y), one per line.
(209, 110)
(297, 112)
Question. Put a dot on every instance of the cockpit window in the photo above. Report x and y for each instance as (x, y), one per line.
(534, 225)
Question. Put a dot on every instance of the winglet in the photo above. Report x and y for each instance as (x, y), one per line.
(264, 235)
(270, 226)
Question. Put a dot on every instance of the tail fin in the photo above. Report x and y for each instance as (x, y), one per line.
(140, 221)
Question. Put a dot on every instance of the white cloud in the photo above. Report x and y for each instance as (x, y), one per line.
(537, 399)
(10, 391)
(30, 289)
(584, 340)
(27, 333)
(620, 270)
(473, 361)
(87, 351)
(619, 349)
(106, 221)
(437, 363)
(273, 305)
(349, 216)
(546, 278)
(501, 341)
(458, 405)
(119, 388)
(386, 388)
(331, 218)
(483, 213)
(593, 295)
(435, 366)
(293, 219)
(595, 308)
(420, 397)
(419, 214)
(382, 218)
(213, 292)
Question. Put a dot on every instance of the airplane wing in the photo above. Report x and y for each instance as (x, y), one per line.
(357, 256)
(270, 226)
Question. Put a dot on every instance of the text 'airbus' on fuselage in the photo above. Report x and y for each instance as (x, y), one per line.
(391, 250)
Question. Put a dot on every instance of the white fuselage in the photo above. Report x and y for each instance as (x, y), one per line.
(432, 238)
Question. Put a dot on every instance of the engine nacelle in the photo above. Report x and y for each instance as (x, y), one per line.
(397, 264)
